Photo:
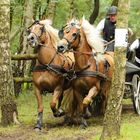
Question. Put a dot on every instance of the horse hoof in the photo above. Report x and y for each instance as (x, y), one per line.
(55, 114)
(61, 112)
(82, 126)
(37, 128)
(87, 116)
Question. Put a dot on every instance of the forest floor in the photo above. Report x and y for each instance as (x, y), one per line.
(54, 129)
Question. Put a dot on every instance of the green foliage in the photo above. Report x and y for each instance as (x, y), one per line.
(63, 10)
(134, 17)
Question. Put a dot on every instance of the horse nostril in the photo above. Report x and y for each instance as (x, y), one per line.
(32, 38)
(61, 48)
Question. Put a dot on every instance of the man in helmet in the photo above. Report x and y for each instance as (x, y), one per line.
(107, 26)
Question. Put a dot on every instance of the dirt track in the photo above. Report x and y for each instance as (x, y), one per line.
(25, 132)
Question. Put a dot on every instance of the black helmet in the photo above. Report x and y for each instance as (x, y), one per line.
(112, 10)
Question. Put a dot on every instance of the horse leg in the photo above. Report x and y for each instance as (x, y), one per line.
(92, 93)
(56, 95)
(40, 109)
(105, 91)
(60, 100)
(79, 111)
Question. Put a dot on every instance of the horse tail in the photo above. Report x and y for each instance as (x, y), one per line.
(67, 102)
(72, 103)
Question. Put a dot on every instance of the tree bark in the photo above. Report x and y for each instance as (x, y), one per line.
(112, 124)
(7, 102)
(95, 12)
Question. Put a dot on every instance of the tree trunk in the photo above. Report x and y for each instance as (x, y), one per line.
(95, 12)
(12, 4)
(7, 102)
(115, 3)
(44, 15)
(35, 9)
(112, 124)
(73, 11)
(22, 67)
(51, 10)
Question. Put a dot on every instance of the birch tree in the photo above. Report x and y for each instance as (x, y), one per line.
(7, 102)
(112, 119)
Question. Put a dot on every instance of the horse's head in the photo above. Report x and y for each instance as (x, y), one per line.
(70, 36)
(37, 33)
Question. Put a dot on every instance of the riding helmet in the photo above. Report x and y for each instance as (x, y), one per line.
(112, 10)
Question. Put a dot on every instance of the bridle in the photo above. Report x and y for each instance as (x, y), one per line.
(38, 37)
(69, 43)
(75, 36)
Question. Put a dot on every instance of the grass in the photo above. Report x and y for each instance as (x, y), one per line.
(53, 128)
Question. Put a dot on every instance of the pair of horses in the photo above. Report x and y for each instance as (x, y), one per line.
(91, 71)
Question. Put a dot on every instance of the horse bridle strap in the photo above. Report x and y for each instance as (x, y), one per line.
(42, 30)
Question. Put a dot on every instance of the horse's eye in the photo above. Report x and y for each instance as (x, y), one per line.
(61, 33)
(42, 29)
(74, 34)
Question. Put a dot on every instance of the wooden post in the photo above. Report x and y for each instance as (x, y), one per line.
(112, 124)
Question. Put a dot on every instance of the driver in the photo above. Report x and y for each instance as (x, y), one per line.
(107, 26)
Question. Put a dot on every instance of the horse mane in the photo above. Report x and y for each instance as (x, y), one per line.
(52, 32)
(93, 38)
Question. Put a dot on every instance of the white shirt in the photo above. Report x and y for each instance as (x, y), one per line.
(134, 45)
(100, 26)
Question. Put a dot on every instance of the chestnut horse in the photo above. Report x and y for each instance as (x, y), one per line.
(93, 66)
(50, 72)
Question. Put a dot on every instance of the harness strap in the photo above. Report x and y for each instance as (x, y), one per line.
(56, 68)
(97, 74)
(68, 74)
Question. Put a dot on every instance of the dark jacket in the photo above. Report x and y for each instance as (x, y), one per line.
(109, 30)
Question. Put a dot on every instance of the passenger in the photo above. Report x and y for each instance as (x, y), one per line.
(135, 47)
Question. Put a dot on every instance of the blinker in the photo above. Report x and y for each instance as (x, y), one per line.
(61, 33)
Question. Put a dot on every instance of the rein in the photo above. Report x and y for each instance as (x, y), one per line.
(88, 53)
(58, 69)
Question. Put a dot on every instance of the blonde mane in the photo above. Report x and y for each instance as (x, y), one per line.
(52, 32)
(93, 38)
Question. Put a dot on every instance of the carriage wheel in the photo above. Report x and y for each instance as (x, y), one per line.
(136, 93)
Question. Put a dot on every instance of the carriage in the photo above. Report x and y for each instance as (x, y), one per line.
(132, 85)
